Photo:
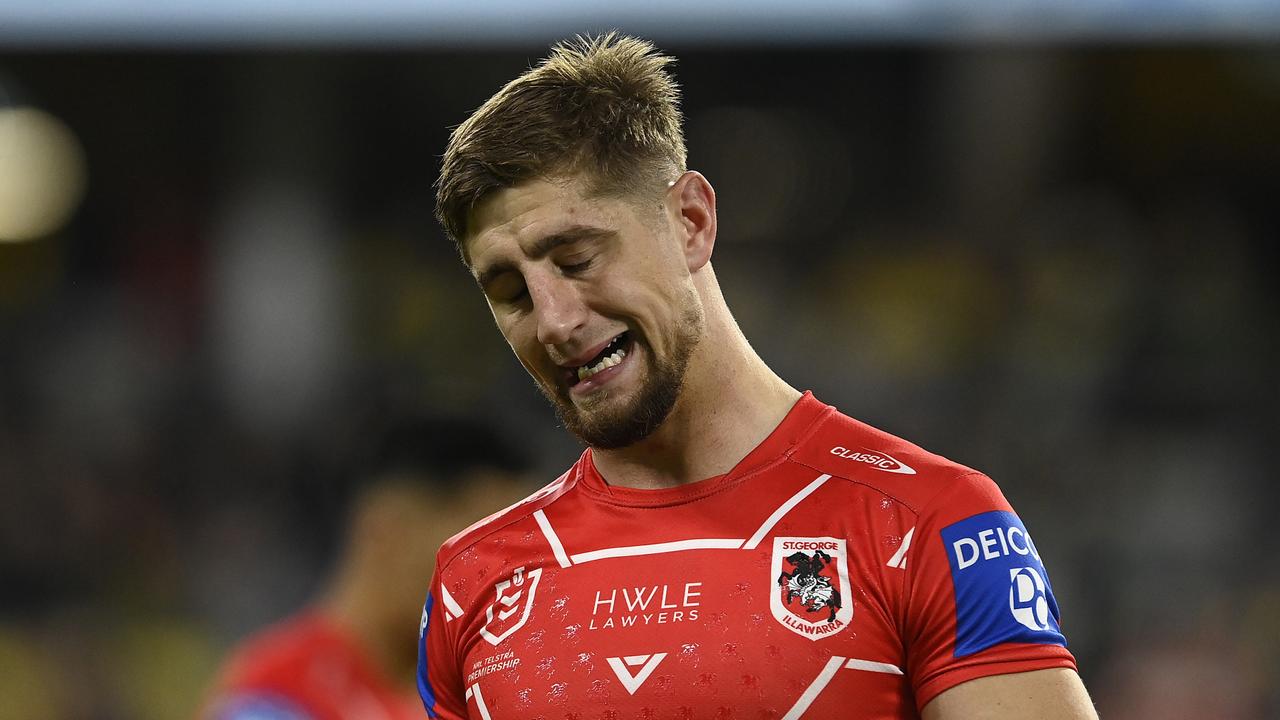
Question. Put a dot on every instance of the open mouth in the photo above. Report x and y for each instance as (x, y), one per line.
(612, 354)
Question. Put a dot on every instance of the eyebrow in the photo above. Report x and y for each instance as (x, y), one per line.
(544, 245)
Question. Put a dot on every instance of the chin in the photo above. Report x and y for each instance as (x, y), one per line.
(613, 423)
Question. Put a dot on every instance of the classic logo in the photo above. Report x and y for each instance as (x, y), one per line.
(874, 458)
(812, 596)
(513, 596)
(647, 664)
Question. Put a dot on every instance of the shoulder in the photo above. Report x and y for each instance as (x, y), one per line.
(851, 450)
(274, 654)
(508, 516)
(266, 675)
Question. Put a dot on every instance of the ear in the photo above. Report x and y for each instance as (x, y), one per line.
(694, 202)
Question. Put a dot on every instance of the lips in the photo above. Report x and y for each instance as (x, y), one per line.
(611, 354)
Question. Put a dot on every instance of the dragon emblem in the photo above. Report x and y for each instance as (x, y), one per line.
(806, 582)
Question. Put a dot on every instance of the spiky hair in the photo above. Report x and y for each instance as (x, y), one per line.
(603, 106)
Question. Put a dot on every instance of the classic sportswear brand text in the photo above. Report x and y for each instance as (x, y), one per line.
(877, 460)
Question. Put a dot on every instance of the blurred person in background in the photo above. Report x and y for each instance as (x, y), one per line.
(350, 655)
(726, 545)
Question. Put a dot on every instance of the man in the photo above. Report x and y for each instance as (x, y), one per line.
(350, 656)
(726, 547)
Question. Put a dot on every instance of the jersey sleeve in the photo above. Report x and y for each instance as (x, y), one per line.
(439, 671)
(978, 598)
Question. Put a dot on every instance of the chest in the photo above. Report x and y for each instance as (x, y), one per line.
(776, 626)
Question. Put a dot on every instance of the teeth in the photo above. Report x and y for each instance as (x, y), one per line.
(607, 361)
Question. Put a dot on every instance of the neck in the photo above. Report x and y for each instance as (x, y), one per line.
(729, 403)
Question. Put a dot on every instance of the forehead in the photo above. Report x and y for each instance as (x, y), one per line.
(513, 219)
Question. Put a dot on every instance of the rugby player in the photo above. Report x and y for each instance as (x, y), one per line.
(726, 546)
(350, 655)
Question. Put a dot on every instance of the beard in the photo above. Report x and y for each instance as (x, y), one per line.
(610, 422)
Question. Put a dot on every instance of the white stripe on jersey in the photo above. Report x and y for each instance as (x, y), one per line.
(451, 606)
(899, 559)
(783, 510)
(474, 690)
(660, 548)
(828, 673)
(816, 687)
(872, 666)
(552, 538)
(565, 560)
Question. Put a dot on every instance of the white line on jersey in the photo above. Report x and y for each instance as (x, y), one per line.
(872, 666)
(828, 671)
(660, 548)
(785, 508)
(565, 560)
(474, 690)
(899, 559)
(452, 609)
(552, 538)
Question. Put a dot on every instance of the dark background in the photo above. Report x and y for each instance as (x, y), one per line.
(1052, 262)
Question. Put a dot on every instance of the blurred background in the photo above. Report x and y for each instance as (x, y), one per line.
(1039, 242)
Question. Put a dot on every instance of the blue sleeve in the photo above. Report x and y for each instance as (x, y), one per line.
(425, 691)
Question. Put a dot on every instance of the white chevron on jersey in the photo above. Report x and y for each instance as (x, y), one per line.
(647, 663)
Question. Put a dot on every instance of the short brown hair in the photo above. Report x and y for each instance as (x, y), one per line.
(605, 106)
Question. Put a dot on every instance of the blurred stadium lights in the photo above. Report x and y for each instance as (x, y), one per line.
(45, 23)
(42, 174)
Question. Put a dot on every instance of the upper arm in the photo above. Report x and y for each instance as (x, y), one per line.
(1051, 694)
(439, 677)
(978, 598)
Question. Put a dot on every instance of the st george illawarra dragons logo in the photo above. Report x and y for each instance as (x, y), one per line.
(807, 583)
(811, 596)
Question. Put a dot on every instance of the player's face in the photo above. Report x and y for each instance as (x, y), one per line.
(595, 297)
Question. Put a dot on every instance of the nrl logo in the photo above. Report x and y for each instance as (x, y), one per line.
(812, 596)
(498, 625)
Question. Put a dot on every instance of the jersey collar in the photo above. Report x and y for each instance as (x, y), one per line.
(798, 424)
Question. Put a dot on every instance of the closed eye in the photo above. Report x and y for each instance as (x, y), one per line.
(507, 289)
(574, 268)
(517, 303)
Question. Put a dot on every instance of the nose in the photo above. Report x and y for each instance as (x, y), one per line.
(558, 308)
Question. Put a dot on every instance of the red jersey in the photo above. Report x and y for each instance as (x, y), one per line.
(306, 668)
(837, 571)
